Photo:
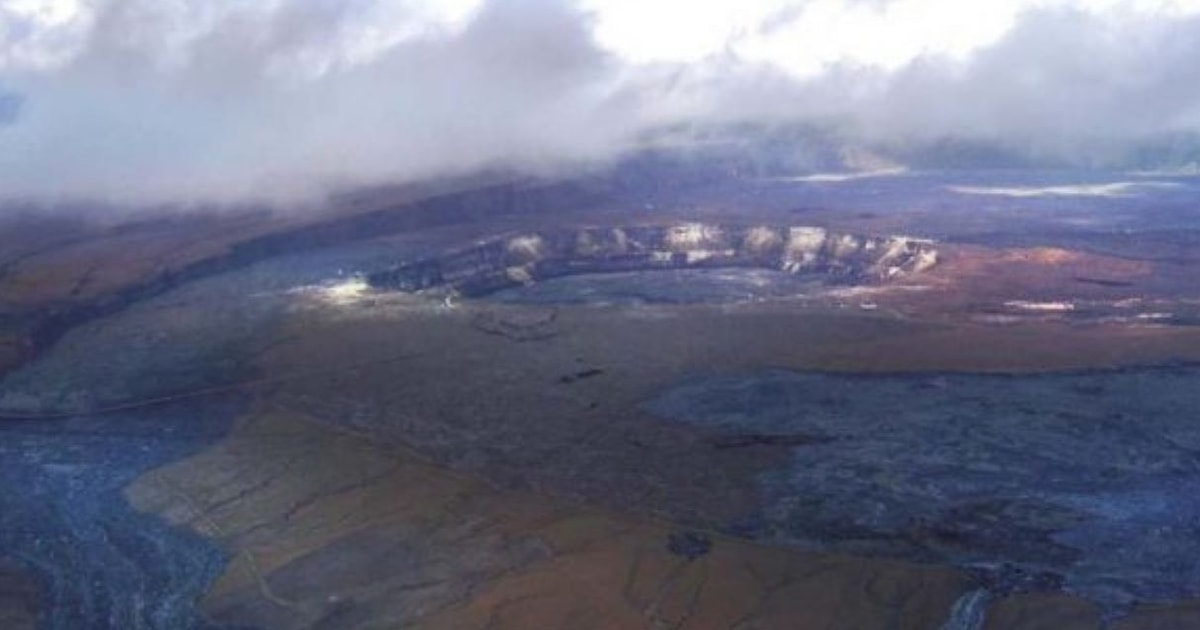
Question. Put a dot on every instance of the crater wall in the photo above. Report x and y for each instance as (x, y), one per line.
(516, 259)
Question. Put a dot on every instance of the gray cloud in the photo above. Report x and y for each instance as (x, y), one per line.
(1063, 86)
(278, 104)
(10, 107)
(1061, 83)
(231, 114)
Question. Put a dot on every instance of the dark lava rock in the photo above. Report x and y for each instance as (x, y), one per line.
(743, 440)
(690, 545)
(64, 518)
(580, 375)
(1087, 481)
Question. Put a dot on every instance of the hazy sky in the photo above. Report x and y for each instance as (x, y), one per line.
(166, 100)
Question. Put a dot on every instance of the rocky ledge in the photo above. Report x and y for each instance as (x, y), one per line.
(513, 260)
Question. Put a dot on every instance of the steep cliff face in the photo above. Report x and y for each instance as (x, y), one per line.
(512, 260)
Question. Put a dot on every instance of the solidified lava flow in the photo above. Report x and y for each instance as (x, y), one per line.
(1082, 480)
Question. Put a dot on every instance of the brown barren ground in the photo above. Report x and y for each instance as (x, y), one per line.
(330, 530)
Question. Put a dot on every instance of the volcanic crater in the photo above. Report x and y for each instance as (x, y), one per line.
(504, 262)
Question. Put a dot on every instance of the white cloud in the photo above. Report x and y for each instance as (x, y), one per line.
(804, 37)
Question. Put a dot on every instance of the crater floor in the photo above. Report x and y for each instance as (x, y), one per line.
(674, 286)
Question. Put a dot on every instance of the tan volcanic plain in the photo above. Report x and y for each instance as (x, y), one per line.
(331, 530)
